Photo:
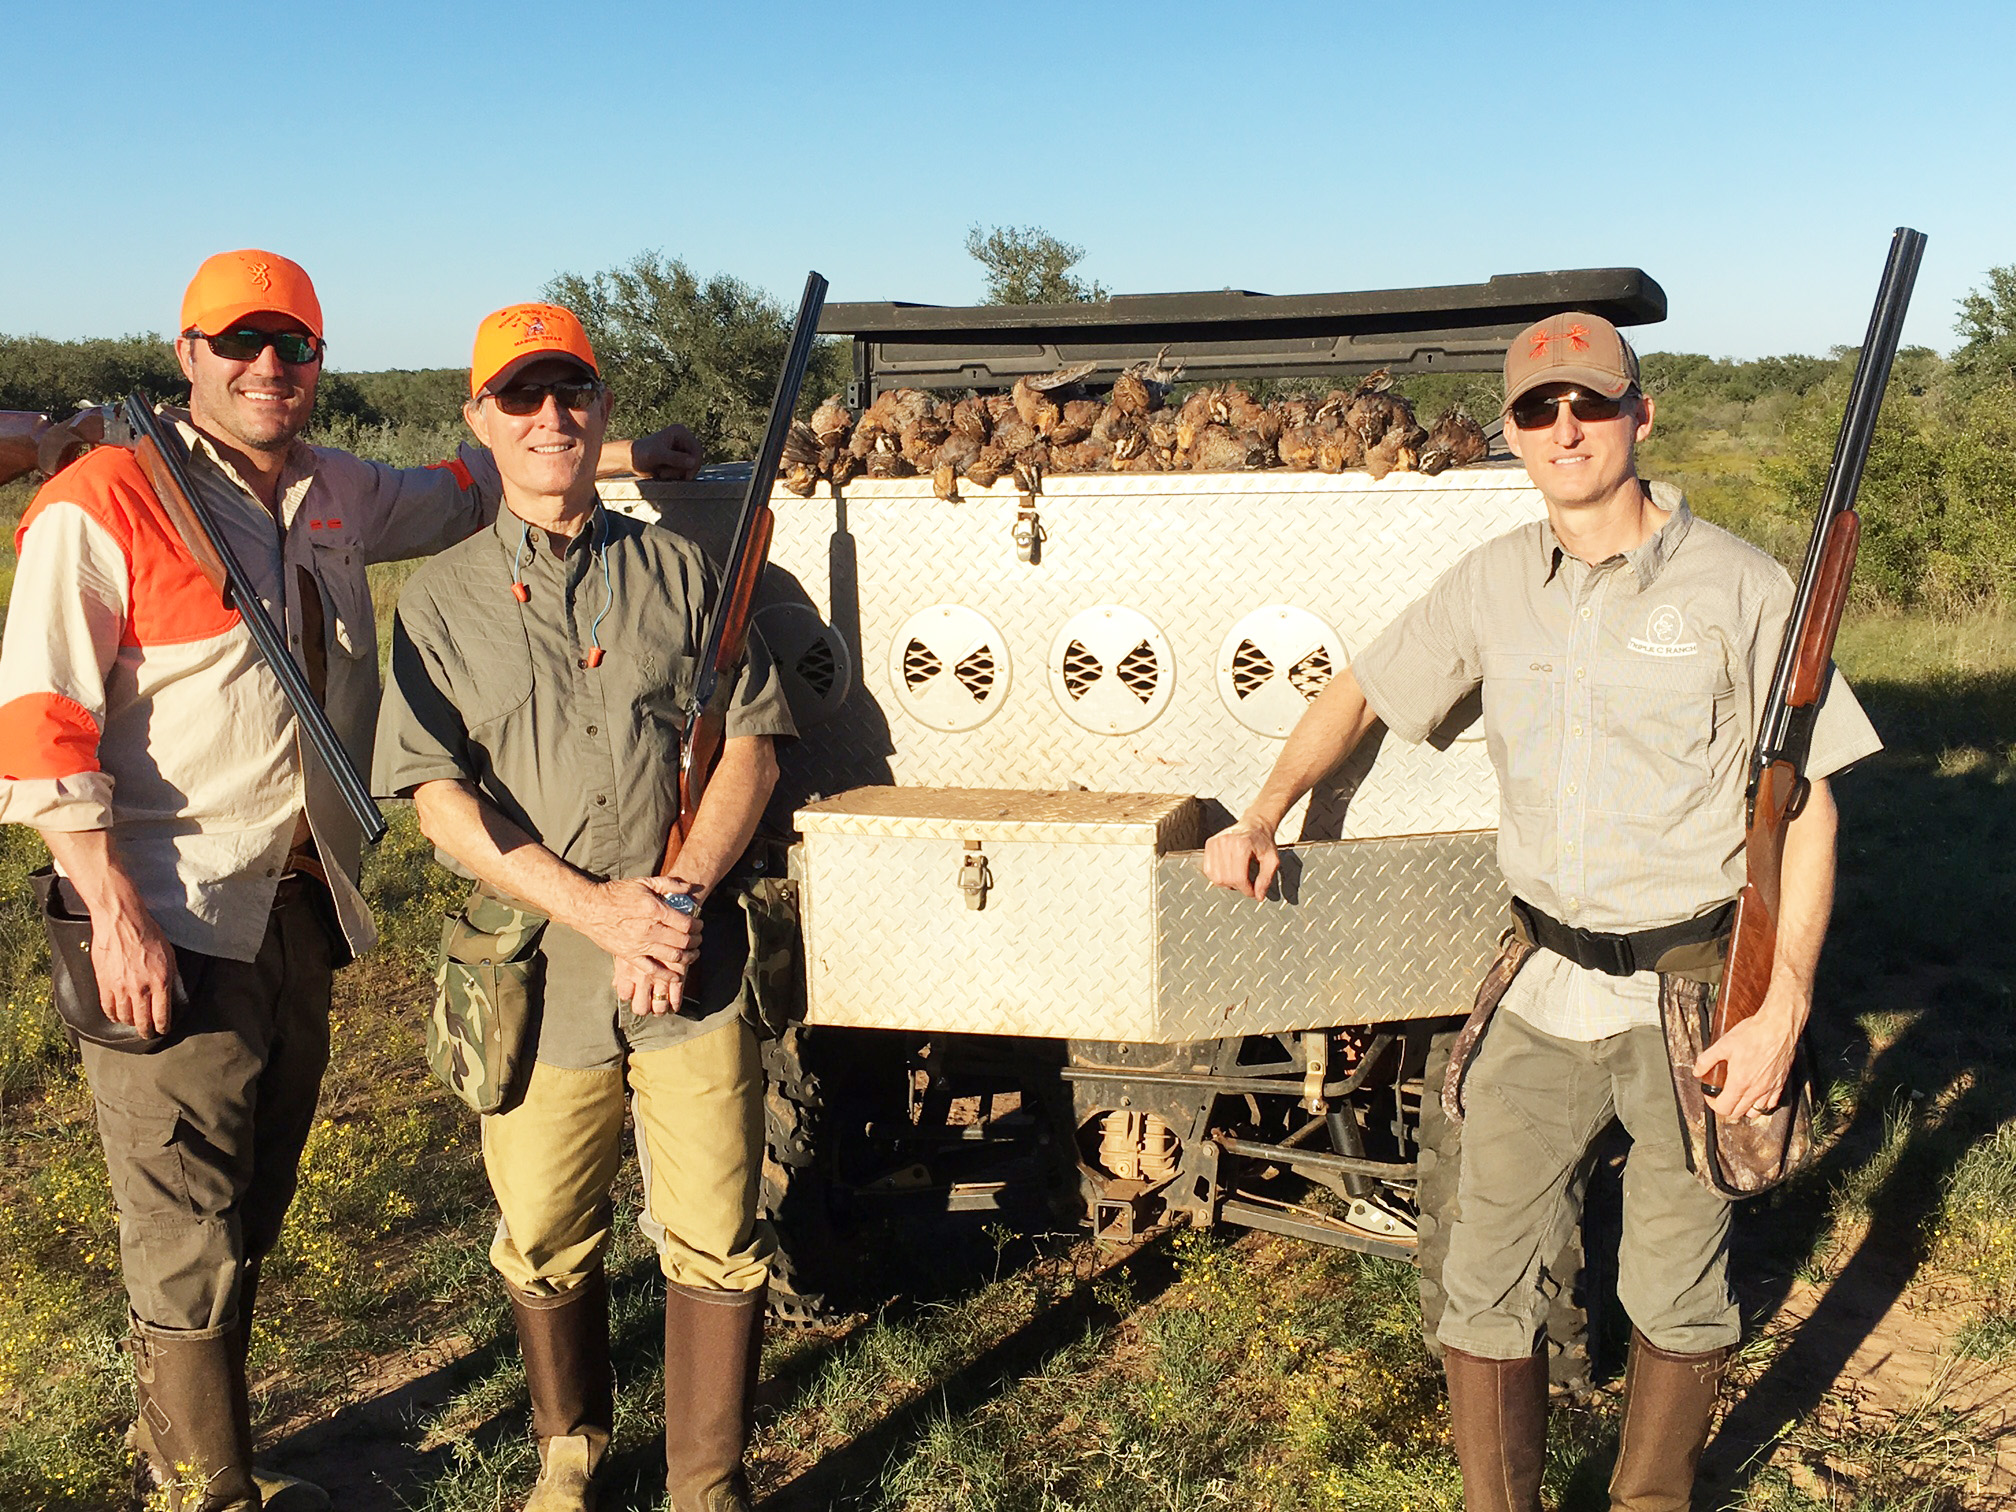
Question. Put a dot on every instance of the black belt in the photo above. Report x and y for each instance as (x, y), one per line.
(1619, 954)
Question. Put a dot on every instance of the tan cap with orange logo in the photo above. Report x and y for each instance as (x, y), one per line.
(520, 333)
(232, 285)
(1570, 348)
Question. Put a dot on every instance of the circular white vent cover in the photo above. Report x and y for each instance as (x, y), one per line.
(1273, 663)
(1111, 669)
(948, 666)
(812, 661)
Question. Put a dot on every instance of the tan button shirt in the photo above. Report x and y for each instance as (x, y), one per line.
(1621, 704)
(131, 698)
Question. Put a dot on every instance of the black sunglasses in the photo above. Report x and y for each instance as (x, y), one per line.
(577, 394)
(244, 344)
(1539, 411)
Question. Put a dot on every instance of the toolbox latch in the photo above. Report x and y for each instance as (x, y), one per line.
(1028, 532)
(974, 876)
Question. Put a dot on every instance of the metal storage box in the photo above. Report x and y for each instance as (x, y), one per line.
(1083, 915)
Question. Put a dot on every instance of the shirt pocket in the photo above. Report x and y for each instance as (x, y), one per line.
(1522, 725)
(1656, 725)
(346, 600)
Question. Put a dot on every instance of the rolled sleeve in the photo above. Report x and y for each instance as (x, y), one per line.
(758, 707)
(1422, 664)
(1842, 733)
(421, 734)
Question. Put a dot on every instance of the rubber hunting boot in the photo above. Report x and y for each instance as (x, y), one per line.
(565, 1340)
(1668, 1401)
(713, 1348)
(1498, 1418)
(193, 1432)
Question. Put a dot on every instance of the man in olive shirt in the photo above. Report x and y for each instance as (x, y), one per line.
(538, 671)
(1625, 650)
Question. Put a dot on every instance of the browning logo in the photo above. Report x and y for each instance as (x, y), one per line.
(1662, 635)
(260, 274)
(1577, 337)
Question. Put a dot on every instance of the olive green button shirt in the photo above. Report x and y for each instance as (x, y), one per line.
(1621, 705)
(499, 693)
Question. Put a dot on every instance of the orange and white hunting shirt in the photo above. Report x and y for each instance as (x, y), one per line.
(133, 700)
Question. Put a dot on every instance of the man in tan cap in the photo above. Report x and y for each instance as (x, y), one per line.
(1625, 650)
(531, 715)
(144, 739)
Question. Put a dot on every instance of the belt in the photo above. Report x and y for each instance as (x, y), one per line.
(1619, 954)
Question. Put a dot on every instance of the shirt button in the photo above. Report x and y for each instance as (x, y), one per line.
(1577, 732)
(582, 664)
(1580, 673)
(272, 871)
(601, 800)
(592, 730)
(1585, 611)
(1571, 790)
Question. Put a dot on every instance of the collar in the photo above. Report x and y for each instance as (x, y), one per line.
(297, 471)
(1649, 557)
(510, 527)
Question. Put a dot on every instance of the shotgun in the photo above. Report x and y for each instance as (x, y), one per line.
(34, 442)
(1778, 786)
(727, 639)
(165, 459)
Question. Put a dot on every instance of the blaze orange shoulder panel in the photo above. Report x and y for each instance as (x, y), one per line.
(456, 468)
(46, 735)
(169, 600)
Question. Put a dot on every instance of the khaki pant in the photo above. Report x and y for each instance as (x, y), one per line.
(203, 1139)
(1534, 1103)
(552, 1158)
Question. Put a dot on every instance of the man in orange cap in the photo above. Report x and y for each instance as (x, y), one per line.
(1624, 649)
(531, 714)
(142, 736)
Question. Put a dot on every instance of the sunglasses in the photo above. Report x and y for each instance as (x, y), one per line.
(1539, 411)
(577, 394)
(245, 344)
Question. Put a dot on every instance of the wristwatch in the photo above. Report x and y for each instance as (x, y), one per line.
(684, 903)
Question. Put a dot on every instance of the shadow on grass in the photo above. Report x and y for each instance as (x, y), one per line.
(1914, 1014)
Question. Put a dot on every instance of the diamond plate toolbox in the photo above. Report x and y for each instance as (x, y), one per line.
(1083, 915)
(1161, 634)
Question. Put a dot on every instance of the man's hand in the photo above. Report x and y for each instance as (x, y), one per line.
(627, 918)
(673, 452)
(135, 967)
(646, 985)
(1243, 857)
(1757, 1053)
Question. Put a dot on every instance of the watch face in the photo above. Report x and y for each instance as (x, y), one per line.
(684, 903)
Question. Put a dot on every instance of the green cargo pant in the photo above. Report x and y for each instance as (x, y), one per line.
(1533, 1104)
(203, 1138)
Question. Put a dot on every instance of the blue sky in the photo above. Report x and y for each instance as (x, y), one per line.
(429, 162)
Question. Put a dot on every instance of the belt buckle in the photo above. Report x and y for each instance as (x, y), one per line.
(1612, 948)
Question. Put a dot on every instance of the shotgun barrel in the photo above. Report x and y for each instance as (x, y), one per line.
(165, 459)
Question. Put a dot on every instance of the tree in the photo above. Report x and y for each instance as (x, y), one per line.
(1987, 326)
(702, 352)
(38, 373)
(1027, 265)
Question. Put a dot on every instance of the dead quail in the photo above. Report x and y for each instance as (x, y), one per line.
(1398, 450)
(889, 464)
(1029, 466)
(986, 469)
(950, 461)
(969, 417)
(1454, 440)
(1297, 411)
(1339, 449)
(831, 420)
(845, 468)
(1154, 376)
(1013, 433)
(1076, 422)
(799, 463)
(1298, 446)
(1131, 395)
(1128, 438)
(1217, 448)
(1088, 455)
(1036, 408)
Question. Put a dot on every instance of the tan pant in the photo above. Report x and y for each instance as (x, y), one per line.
(552, 1160)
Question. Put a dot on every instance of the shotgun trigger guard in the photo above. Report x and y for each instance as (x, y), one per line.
(1801, 791)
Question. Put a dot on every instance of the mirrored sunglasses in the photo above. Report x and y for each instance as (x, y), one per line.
(577, 394)
(244, 344)
(1538, 411)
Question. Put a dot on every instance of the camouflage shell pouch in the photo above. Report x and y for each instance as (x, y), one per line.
(486, 994)
(773, 976)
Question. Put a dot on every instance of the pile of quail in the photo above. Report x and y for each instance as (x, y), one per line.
(1051, 425)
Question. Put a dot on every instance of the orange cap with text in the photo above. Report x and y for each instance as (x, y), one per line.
(520, 333)
(232, 285)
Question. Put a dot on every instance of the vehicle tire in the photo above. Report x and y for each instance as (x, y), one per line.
(794, 1197)
(1566, 1282)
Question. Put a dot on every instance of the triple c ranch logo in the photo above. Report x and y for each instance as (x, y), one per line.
(1663, 630)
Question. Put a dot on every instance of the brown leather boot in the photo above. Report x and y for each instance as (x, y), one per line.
(1668, 1401)
(193, 1433)
(565, 1340)
(1498, 1418)
(713, 1348)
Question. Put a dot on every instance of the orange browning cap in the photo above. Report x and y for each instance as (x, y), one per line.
(521, 333)
(232, 285)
